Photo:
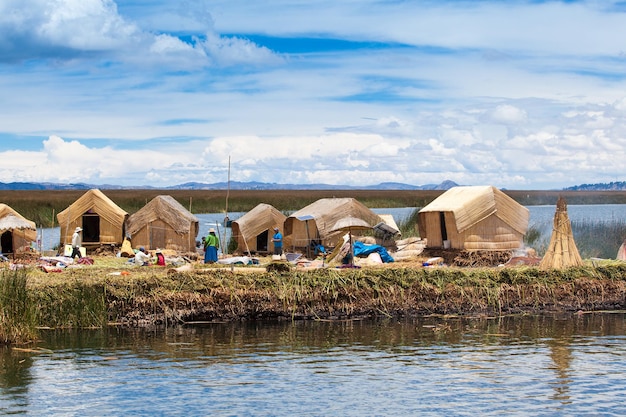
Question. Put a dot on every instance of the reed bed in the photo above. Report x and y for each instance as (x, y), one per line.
(18, 315)
(149, 296)
(41, 206)
(594, 238)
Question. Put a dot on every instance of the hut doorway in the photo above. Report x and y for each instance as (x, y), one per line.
(157, 235)
(91, 228)
(6, 242)
(261, 241)
(442, 225)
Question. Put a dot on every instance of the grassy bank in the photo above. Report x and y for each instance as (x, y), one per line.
(94, 296)
(346, 294)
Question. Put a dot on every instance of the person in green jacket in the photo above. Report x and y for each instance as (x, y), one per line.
(211, 245)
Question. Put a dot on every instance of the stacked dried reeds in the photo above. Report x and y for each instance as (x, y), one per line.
(562, 251)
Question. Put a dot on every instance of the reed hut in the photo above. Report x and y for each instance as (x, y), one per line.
(16, 236)
(474, 218)
(254, 230)
(100, 218)
(316, 221)
(163, 223)
(562, 251)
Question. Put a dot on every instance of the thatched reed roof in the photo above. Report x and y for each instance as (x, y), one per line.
(562, 251)
(261, 218)
(93, 200)
(472, 204)
(167, 209)
(7, 212)
(327, 211)
(12, 222)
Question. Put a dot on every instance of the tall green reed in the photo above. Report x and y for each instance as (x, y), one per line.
(18, 314)
(72, 304)
(594, 238)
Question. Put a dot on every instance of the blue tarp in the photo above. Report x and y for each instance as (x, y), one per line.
(361, 249)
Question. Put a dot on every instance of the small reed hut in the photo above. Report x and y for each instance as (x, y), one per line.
(562, 251)
(165, 224)
(254, 230)
(475, 218)
(100, 218)
(317, 220)
(15, 237)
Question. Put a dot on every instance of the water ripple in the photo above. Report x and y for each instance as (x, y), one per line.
(284, 370)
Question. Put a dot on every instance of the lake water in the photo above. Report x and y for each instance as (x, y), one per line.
(572, 365)
(539, 216)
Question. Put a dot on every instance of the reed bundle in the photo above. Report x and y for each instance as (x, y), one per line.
(562, 251)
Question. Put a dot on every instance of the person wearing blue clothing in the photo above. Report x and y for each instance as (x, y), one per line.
(211, 245)
(278, 242)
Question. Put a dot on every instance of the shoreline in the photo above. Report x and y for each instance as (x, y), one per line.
(93, 296)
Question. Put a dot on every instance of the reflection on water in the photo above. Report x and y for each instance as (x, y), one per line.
(430, 366)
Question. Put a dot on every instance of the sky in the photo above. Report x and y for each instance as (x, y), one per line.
(522, 94)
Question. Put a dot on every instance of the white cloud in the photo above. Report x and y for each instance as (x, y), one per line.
(83, 24)
(507, 114)
(73, 29)
(522, 94)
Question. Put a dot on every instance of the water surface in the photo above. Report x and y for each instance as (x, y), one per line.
(570, 365)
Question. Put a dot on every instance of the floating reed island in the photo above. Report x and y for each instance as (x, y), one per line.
(110, 293)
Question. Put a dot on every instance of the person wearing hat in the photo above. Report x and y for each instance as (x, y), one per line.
(77, 241)
(142, 257)
(278, 242)
(160, 261)
(211, 245)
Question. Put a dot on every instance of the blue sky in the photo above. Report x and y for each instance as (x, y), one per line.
(518, 94)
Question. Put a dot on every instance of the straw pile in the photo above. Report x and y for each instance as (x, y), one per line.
(562, 251)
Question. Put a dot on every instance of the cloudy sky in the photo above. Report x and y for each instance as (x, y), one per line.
(521, 94)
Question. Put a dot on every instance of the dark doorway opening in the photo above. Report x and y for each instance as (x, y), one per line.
(6, 242)
(91, 228)
(261, 241)
(442, 225)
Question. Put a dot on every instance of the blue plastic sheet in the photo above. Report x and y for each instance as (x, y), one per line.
(361, 249)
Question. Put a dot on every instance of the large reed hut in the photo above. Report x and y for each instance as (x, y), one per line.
(254, 230)
(477, 218)
(317, 220)
(100, 218)
(163, 223)
(18, 232)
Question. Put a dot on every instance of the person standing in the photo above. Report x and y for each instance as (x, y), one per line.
(211, 245)
(278, 242)
(77, 241)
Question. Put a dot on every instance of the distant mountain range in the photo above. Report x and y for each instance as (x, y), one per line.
(611, 186)
(255, 185)
(234, 185)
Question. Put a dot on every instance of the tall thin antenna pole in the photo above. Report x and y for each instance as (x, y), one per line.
(227, 193)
